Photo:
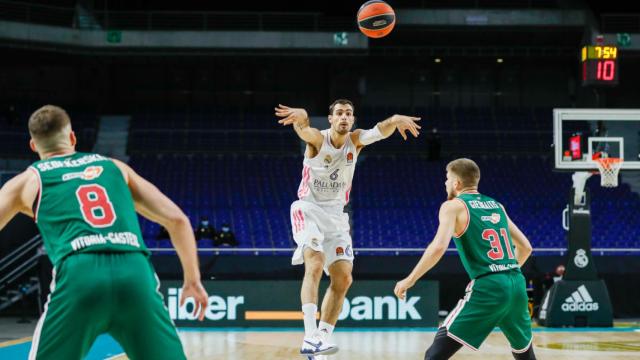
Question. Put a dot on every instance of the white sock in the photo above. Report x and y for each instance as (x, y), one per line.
(309, 310)
(325, 330)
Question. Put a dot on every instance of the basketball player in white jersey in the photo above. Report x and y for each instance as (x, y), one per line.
(320, 225)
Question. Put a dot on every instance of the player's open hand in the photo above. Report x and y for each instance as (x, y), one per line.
(401, 288)
(199, 294)
(290, 115)
(404, 123)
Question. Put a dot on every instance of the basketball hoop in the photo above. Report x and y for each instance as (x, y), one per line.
(609, 168)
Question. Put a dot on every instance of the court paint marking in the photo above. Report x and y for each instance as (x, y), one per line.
(15, 342)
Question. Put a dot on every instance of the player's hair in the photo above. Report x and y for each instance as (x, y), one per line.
(46, 126)
(467, 170)
(341, 102)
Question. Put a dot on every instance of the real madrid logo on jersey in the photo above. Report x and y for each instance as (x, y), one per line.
(327, 161)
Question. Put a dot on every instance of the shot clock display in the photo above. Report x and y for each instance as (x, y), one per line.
(599, 65)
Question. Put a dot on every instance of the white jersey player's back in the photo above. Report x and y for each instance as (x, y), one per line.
(327, 177)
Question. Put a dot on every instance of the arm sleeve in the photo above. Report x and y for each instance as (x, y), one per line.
(370, 136)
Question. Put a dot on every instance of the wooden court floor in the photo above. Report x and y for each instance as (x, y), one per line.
(387, 345)
(620, 342)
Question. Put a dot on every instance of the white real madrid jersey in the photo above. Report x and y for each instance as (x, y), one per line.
(326, 178)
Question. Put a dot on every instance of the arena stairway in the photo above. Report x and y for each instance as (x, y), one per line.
(113, 133)
(18, 272)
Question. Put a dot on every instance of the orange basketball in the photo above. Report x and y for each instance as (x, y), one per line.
(376, 18)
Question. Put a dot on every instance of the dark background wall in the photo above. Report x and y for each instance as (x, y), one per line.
(118, 84)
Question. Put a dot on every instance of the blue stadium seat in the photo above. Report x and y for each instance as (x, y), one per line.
(395, 198)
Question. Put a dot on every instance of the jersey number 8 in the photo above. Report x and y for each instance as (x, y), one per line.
(95, 206)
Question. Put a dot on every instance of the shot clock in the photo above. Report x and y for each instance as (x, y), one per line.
(599, 65)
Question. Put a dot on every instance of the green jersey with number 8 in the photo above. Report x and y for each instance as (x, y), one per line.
(84, 205)
(485, 245)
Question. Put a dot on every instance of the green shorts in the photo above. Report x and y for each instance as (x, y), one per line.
(498, 299)
(97, 293)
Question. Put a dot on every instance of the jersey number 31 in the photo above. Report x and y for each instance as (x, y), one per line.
(496, 252)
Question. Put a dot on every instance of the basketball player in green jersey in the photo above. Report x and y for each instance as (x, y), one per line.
(103, 282)
(485, 238)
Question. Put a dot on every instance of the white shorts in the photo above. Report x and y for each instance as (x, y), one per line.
(322, 230)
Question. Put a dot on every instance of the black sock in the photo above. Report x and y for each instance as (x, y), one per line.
(527, 355)
(443, 347)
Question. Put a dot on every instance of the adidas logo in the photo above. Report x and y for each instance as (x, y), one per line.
(580, 300)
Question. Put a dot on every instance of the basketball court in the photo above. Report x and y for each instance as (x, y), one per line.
(620, 342)
(540, 94)
(586, 141)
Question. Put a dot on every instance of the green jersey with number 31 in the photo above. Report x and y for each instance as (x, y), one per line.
(485, 244)
(84, 204)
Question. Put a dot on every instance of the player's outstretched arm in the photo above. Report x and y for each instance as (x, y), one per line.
(17, 195)
(300, 120)
(447, 216)
(522, 244)
(402, 123)
(385, 128)
(155, 206)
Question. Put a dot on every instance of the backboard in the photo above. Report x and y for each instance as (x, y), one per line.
(582, 135)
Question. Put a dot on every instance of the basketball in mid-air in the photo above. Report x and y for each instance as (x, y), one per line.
(376, 18)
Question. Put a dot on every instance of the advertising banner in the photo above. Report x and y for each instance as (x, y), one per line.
(576, 303)
(277, 304)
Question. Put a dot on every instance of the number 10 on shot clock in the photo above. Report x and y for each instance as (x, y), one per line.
(599, 65)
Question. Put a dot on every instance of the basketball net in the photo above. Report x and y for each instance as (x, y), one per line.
(609, 168)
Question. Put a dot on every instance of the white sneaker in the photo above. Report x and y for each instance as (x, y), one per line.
(315, 345)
